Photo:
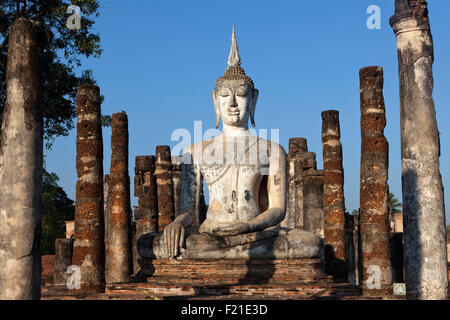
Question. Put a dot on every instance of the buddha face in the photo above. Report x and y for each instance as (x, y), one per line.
(234, 101)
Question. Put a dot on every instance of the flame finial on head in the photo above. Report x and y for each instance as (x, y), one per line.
(234, 59)
(234, 70)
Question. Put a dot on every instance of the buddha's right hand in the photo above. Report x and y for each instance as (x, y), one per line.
(173, 239)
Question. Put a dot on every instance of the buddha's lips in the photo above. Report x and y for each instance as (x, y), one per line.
(234, 113)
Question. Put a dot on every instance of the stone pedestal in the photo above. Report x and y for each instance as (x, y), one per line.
(425, 255)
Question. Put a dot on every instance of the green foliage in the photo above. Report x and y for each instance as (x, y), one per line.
(56, 208)
(62, 55)
(394, 205)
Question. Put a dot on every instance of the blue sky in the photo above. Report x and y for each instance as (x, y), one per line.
(161, 59)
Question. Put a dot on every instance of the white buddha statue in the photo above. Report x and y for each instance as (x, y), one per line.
(247, 182)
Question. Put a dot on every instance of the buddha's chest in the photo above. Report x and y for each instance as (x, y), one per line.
(243, 175)
(233, 190)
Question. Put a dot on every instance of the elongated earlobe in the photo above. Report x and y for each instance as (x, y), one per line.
(253, 107)
(216, 109)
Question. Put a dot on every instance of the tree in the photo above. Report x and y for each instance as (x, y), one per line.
(394, 205)
(56, 208)
(62, 55)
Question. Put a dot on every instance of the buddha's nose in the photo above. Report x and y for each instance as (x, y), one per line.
(233, 103)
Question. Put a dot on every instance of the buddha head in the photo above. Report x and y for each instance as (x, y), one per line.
(234, 95)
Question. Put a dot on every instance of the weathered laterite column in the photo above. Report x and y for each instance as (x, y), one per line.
(107, 211)
(163, 172)
(425, 255)
(118, 256)
(146, 215)
(176, 178)
(350, 247)
(21, 165)
(333, 198)
(89, 247)
(304, 161)
(63, 259)
(374, 190)
(294, 210)
(313, 201)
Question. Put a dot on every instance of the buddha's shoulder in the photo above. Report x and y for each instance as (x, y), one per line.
(272, 146)
(199, 146)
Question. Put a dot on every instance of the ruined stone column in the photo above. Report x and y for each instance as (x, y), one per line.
(294, 208)
(163, 172)
(176, 178)
(146, 215)
(333, 198)
(107, 210)
(118, 256)
(350, 247)
(89, 247)
(374, 190)
(357, 248)
(21, 165)
(63, 259)
(423, 195)
(313, 201)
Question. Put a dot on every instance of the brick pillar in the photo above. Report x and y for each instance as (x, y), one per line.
(63, 259)
(146, 215)
(89, 247)
(425, 254)
(374, 190)
(163, 172)
(118, 257)
(313, 201)
(176, 178)
(334, 221)
(357, 248)
(107, 211)
(297, 145)
(294, 208)
(21, 165)
(350, 248)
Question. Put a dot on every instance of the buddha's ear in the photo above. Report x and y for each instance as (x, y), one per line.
(253, 106)
(216, 108)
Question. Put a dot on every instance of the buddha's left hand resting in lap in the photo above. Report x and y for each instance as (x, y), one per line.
(246, 178)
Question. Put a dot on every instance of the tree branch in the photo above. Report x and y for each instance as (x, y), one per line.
(4, 43)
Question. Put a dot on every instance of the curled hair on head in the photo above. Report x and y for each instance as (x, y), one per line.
(235, 73)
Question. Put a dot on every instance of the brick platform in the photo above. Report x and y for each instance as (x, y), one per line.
(231, 272)
(232, 279)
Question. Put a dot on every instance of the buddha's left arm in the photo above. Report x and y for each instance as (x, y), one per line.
(276, 189)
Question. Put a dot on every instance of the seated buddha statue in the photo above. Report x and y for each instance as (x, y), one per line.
(247, 182)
